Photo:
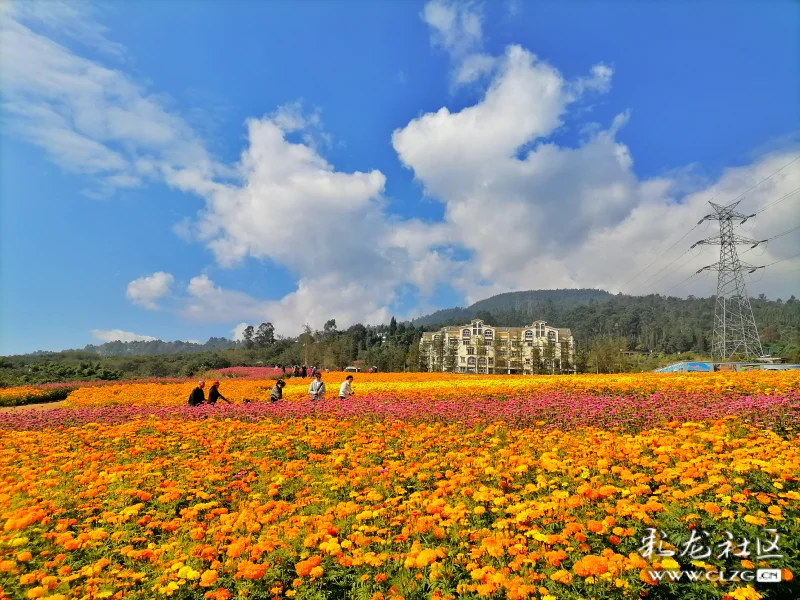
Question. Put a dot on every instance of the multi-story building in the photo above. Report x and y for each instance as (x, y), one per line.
(480, 348)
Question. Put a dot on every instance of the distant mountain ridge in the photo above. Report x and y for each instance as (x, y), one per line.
(142, 348)
(528, 302)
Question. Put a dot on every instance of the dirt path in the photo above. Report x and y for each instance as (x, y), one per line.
(43, 406)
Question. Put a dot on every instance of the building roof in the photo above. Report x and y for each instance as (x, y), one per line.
(562, 331)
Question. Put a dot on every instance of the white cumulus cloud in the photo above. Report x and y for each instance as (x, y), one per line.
(145, 291)
(89, 118)
(114, 335)
(520, 210)
(237, 333)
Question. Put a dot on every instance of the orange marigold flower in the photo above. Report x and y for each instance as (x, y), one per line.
(594, 526)
(590, 565)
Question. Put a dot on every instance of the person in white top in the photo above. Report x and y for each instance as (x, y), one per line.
(316, 390)
(345, 390)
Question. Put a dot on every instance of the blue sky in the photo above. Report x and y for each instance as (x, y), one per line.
(175, 169)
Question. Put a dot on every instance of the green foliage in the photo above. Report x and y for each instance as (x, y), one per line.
(51, 395)
(649, 324)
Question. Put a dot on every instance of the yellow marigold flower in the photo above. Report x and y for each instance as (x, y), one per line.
(743, 593)
(562, 576)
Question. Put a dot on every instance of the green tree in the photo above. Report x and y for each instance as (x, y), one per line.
(566, 364)
(451, 357)
(247, 337)
(499, 361)
(536, 360)
(480, 353)
(265, 336)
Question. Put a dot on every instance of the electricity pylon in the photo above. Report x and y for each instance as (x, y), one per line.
(735, 331)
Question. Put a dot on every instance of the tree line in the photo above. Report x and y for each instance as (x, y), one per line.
(613, 333)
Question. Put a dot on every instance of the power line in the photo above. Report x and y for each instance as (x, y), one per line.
(772, 275)
(692, 276)
(660, 256)
(678, 268)
(763, 180)
(778, 261)
(781, 199)
(774, 237)
(659, 271)
(679, 284)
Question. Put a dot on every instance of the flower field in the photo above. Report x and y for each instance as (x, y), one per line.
(421, 486)
(424, 386)
(250, 372)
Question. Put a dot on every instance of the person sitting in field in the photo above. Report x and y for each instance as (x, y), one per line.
(277, 391)
(214, 395)
(317, 388)
(198, 396)
(345, 391)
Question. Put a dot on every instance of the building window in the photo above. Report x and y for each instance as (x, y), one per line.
(471, 360)
(527, 361)
(515, 343)
(470, 350)
(466, 342)
(465, 333)
(530, 344)
(463, 360)
(436, 337)
(488, 334)
(528, 335)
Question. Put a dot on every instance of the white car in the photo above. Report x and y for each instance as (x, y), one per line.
(352, 370)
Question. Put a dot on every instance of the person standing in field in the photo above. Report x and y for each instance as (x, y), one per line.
(345, 391)
(304, 372)
(214, 395)
(277, 391)
(198, 396)
(316, 390)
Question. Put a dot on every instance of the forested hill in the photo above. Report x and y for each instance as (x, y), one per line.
(530, 302)
(664, 324)
(118, 348)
